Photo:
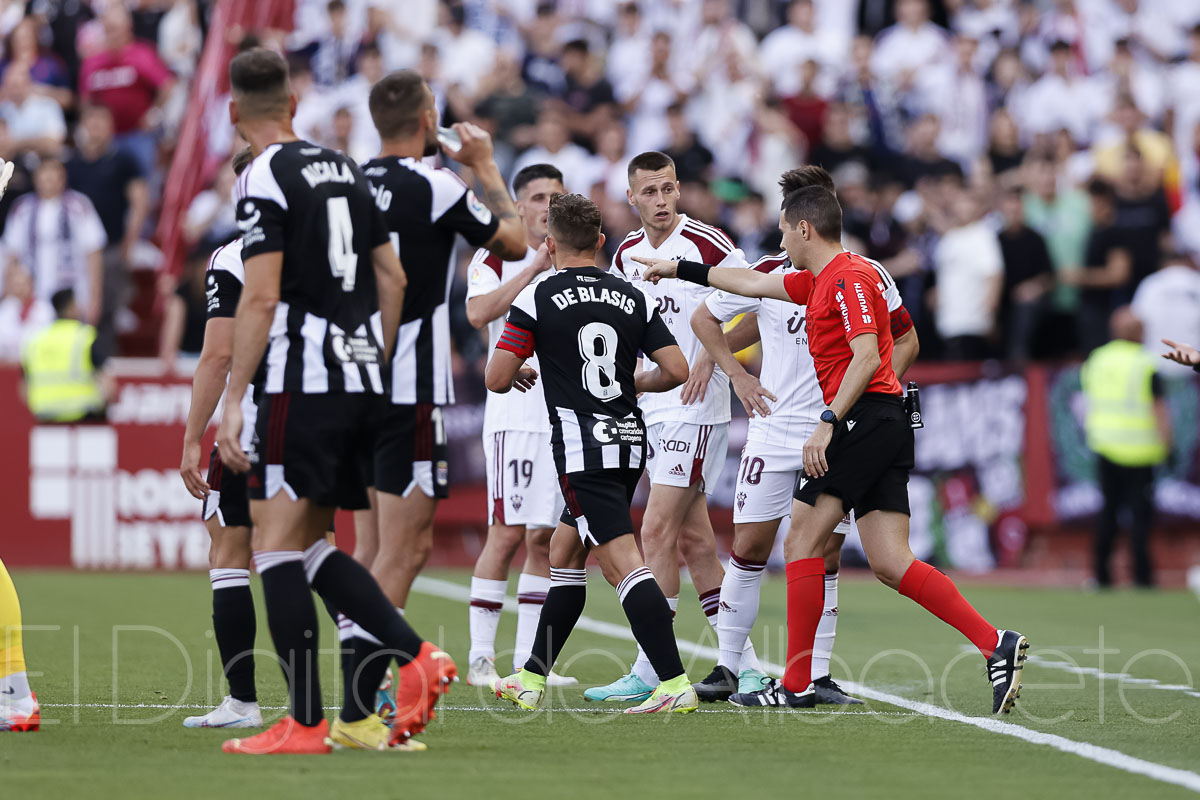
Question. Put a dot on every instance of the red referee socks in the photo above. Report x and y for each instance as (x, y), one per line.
(805, 602)
(938, 595)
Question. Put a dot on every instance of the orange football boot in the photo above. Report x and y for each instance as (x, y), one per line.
(421, 683)
(286, 737)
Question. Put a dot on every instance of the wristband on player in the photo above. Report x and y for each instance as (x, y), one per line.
(693, 272)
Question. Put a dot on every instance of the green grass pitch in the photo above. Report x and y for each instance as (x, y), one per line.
(1147, 721)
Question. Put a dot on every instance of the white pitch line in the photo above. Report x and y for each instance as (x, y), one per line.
(483, 709)
(1123, 677)
(1101, 755)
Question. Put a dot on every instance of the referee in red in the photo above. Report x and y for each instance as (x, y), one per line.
(861, 452)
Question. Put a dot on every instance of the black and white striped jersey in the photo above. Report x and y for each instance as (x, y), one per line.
(587, 327)
(314, 206)
(424, 209)
(223, 283)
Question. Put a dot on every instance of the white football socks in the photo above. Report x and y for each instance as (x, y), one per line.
(826, 630)
(15, 691)
(487, 600)
(531, 596)
(641, 665)
(738, 612)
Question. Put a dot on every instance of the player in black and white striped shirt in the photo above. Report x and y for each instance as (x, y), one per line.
(587, 328)
(322, 301)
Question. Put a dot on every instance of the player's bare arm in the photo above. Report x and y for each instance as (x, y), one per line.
(670, 370)
(1181, 353)
(216, 356)
(904, 352)
(744, 282)
(251, 325)
(390, 282)
(485, 308)
(506, 371)
(476, 153)
(863, 364)
(722, 347)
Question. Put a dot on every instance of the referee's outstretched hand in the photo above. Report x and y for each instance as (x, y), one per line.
(657, 268)
(229, 436)
(1181, 353)
(814, 450)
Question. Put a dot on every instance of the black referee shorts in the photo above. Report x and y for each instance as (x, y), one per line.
(409, 450)
(869, 459)
(597, 503)
(227, 497)
(312, 446)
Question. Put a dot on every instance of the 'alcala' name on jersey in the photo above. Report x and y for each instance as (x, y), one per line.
(326, 172)
(587, 294)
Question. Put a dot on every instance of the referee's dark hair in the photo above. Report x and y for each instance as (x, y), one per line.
(535, 172)
(396, 103)
(258, 79)
(651, 161)
(819, 207)
(574, 221)
(808, 175)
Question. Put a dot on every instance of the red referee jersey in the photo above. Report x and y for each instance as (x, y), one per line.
(844, 301)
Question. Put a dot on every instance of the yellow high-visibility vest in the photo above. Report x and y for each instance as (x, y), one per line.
(59, 375)
(1120, 422)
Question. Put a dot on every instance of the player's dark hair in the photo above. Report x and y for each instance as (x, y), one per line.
(574, 221)
(535, 172)
(241, 160)
(61, 300)
(396, 103)
(808, 175)
(259, 80)
(651, 161)
(819, 207)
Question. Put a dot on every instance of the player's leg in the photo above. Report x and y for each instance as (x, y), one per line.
(489, 584)
(18, 705)
(366, 531)
(533, 587)
(405, 540)
(827, 689)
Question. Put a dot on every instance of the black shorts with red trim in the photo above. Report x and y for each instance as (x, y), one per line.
(597, 503)
(869, 458)
(409, 450)
(227, 497)
(312, 446)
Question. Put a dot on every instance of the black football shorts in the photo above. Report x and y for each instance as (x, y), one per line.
(869, 459)
(597, 503)
(410, 450)
(312, 446)
(227, 497)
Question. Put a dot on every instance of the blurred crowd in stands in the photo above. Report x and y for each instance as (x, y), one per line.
(1021, 167)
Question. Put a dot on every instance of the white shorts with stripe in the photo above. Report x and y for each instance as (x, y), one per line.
(766, 482)
(522, 482)
(682, 453)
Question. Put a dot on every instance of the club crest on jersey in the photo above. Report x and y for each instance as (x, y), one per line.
(478, 210)
(741, 500)
(516, 500)
(327, 172)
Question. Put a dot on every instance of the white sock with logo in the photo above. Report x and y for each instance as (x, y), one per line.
(826, 629)
(15, 692)
(738, 612)
(531, 596)
(487, 600)
(641, 665)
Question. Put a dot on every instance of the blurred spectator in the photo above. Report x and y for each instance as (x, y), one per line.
(837, 147)
(399, 31)
(210, 217)
(47, 71)
(332, 53)
(969, 270)
(182, 332)
(65, 18)
(55, 234)
(1154, 146)
(354, 94)
(541, 69)
(921, 158)
(22, 313)
(629, 52)
(992, 23)
(1126, 75)
(1168, 304)
(587, 97)
(130, 80)
(33, 123)
(1142, 215)
(509, 108)
(646, 102)
(722, 43)
(610, 180)
(1028, 275)
(785, 50)
(554, 146)
(955, 92)
(910, 45)
(1063, 218)
(465, 55)
(877, 118)
(112, 179)
(693, 161)
(1107, 273)
(1063, 98)
(752, 228)
(807, 107)
(180, 39)
(1004, 151)
(1183, 106)
(341, 131)
(60, 367)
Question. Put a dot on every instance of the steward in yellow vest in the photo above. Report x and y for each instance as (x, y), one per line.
(60, 363)
(1128, 428)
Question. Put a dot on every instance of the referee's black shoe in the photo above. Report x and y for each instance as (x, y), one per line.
(776, 696)
(720, 684)
(828, 693)
(1004, 670)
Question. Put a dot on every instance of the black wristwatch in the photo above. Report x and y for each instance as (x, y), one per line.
(828, 416)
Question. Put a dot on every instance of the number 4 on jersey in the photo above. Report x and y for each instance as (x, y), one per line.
(342, 258)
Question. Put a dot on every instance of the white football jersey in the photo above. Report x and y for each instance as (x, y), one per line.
(514, 411)
(677, 301)
(787, 365)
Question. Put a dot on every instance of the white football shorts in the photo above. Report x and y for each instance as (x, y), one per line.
(766, 482)
(522, 482)
(682, 453)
